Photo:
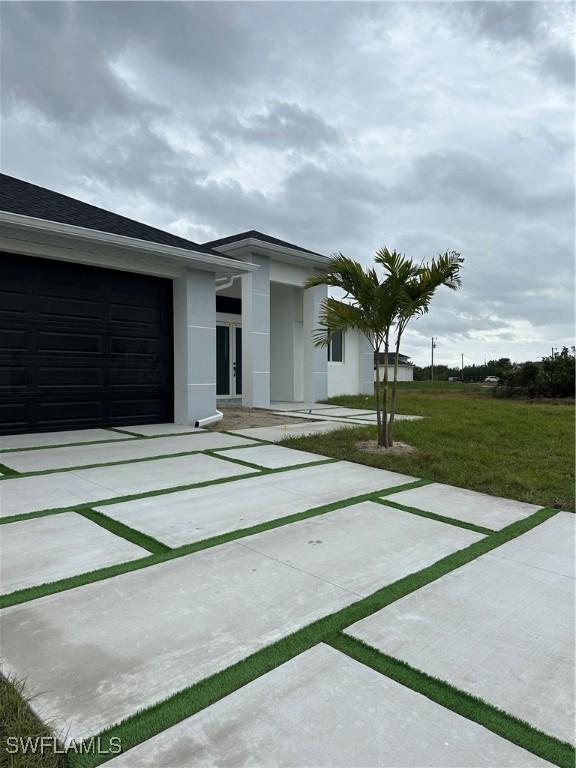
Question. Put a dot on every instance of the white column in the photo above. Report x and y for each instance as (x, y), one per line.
(194, 346)
(366, 366)
(315, 358)
(256, 335)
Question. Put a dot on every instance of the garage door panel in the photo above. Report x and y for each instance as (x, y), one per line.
(13, 339)
(68, 377)
(66, 308)
(13, 376)
(82, 346)
(13, 416)
(140, 408)
(135, 377)
(135, 345)
(14, 303)
(70, 341)
(69, 411)
(140, 315)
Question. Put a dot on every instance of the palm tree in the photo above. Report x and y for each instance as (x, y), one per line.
(374, 307)
(368, 307)
(414, 286)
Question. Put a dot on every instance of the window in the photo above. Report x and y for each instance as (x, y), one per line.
(336, 348)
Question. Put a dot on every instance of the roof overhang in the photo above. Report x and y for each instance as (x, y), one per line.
(16, 226)
(250, 245)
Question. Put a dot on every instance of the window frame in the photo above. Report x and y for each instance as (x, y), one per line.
(342, 353)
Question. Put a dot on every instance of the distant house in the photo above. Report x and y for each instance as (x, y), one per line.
(405, 366)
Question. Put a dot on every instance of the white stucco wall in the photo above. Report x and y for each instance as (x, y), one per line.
(194, 346)
(285, 342)
(343, 378)
(405, 373)
(354, 376)
(297, 367)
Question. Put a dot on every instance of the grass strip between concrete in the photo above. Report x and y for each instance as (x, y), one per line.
(50, 588)
(125, 531)
(7, 472)
(107, 501)
(78, 467)
(439, 518)
(252, 465)
(496, 720)
(155, 719)
(128, 436)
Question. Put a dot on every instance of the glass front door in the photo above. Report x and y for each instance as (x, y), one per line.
(228, 359)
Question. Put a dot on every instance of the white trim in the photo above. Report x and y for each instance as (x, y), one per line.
(272, 249)
(191, 258)
(228, 317)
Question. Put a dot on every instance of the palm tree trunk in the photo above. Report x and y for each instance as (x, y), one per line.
(377, 398)
(384, 438)
(394, 390)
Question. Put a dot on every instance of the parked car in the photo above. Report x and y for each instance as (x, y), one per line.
(454, 378)
(491, 380)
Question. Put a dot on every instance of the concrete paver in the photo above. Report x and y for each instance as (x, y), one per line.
(550, 546)
(61, 458)
(280, 406)
(363, 547)
(19, 495)
(500, 629)
(273, 456)
(370, 418)
(152, 430)
(338, 412)
(281, 432)
(187, 516)
(142, 636)
(43, 439)
(54, 547)
(470, 506)
(334, 713)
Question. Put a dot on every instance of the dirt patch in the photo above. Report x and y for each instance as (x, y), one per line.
(398, 449)
(236, 417)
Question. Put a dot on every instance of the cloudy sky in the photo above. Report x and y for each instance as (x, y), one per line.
(338, 126)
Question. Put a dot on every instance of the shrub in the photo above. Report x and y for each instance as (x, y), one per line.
(553, 377)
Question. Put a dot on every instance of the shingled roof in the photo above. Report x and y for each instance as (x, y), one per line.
(21, 197)
(255, 235)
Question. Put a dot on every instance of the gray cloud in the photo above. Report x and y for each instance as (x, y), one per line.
(343, 126)
(464, 177)
(505, 21)
(282, 125)
(47, 66)
(560, 63)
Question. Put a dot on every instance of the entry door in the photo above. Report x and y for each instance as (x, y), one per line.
(228, 359)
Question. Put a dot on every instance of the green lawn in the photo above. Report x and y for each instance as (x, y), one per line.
(518, 449)
(17, 720)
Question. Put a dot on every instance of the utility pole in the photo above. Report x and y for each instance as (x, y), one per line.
(433, 347)
(462, 367)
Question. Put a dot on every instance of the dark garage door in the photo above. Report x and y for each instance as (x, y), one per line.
(82, 346)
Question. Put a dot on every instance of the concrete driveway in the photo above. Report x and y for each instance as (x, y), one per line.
(151, 566)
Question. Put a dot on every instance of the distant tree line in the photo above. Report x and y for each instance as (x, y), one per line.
(553, 376)
(498, 368)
